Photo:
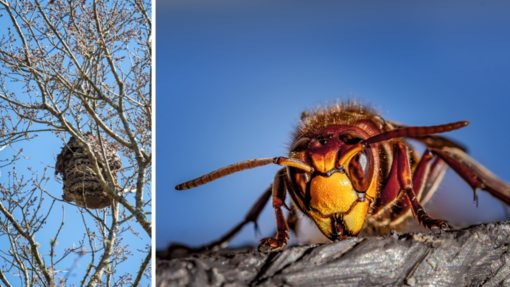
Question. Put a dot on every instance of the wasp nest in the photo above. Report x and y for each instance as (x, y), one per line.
(80, 184)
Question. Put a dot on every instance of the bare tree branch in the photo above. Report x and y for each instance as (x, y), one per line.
(70, 69)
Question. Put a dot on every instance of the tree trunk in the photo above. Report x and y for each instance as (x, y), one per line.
(473, 256)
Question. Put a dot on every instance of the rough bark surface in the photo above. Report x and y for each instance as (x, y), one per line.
(80, 184)
(473, 256)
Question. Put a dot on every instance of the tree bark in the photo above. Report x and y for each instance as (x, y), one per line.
(474, 256)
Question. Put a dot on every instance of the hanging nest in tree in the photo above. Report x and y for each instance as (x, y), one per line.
(80, 184)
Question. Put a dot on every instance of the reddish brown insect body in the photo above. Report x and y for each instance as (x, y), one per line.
(347, 163)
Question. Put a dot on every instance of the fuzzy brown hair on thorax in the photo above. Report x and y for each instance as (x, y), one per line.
(347, 113)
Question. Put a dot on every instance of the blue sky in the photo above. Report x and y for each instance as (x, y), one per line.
(42, 152)
(234, 76)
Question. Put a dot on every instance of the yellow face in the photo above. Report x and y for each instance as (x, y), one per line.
(332, 195)
(335, 204)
